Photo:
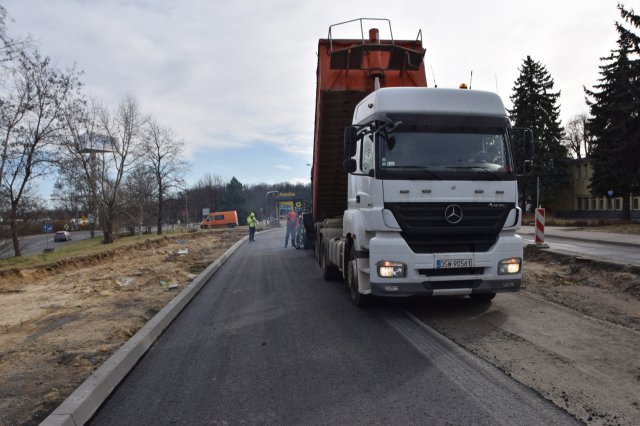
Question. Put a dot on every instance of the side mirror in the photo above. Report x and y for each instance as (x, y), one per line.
(528, 166)
(350, 165)
(350, 138)
(528, 145)
(528, 151)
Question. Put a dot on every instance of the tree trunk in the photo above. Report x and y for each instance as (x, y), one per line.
(14, 233)
(107, 230)
(160, 205)
(107, 236)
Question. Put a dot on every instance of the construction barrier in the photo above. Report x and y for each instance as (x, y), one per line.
(539, 227)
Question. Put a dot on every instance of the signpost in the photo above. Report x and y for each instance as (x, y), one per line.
(47, 228)
(540, 229)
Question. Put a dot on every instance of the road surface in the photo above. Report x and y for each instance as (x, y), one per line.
(35, 244)
(623, 254)
(267, 341)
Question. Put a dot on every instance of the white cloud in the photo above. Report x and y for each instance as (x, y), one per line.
(241, 74)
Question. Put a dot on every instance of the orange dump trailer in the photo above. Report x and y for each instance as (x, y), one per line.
(347, 71)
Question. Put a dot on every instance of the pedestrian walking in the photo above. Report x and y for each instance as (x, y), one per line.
(252, 222)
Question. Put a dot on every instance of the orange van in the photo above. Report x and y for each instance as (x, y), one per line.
(215, 219)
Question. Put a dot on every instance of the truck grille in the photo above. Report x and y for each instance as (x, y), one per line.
(426, 230)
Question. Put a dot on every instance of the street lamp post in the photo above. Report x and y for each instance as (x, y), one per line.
(266, 200)
(183, 186)
(186, 207)
(94, 144)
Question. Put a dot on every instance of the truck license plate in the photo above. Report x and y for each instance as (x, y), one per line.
(453, 263)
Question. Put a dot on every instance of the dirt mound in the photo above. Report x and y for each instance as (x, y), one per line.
(59, 322)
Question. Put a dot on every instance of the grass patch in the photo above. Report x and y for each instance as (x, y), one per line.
(198, 267)
(78, 248)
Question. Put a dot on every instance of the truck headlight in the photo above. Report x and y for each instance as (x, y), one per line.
(509, 266)
(390, 269)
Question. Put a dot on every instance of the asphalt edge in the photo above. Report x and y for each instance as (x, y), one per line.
(82, 404)
(591, 240)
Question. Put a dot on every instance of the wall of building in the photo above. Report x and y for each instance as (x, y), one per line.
(577, 202)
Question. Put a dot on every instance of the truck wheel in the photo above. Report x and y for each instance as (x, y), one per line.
(329, 271)
(357, 298)
(482, 297)
(318, 243)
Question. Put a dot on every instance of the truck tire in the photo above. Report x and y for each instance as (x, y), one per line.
(329, 271)
(358, 299)
(318, 243)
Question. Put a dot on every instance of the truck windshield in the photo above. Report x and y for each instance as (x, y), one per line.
(481, 154)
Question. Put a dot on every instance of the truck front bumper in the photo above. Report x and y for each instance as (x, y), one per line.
(424, 277)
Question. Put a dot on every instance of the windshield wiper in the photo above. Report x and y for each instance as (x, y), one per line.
(495, 175)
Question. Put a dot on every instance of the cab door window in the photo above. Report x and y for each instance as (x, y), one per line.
(367, 161)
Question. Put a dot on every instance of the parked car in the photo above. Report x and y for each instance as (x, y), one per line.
(62, 236)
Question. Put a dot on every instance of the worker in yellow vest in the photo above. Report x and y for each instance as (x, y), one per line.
(252, 222)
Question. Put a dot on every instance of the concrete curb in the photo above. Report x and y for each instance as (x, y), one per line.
(82, 404)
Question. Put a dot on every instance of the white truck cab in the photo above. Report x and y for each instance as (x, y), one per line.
(432, 197)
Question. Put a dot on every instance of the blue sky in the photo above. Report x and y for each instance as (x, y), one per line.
(236, 80)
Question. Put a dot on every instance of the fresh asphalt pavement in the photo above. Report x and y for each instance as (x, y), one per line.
(267, 341)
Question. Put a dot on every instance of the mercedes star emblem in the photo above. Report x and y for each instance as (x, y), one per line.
(453, 214)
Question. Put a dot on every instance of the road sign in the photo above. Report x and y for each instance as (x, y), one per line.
(46, 228)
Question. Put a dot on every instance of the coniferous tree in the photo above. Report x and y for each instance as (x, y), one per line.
(235, 199)
(535, 106)
(615, 122)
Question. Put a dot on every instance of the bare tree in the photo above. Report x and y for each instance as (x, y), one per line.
(106, 149)
(163, 153)
(82, 141)
(10, 47)
(71, 192)
(208, 193)
(30, 114)
(577, 138)
(139, 199)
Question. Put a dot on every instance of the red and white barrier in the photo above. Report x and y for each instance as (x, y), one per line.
(539, 227)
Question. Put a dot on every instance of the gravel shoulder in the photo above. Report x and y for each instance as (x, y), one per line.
(572, 334)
